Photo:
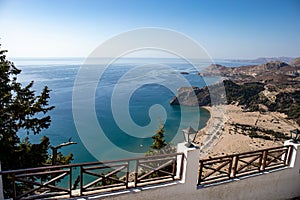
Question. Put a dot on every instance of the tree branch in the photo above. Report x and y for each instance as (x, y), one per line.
(63, 145)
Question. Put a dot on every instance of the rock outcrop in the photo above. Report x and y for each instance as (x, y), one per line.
(273, 86)
(191, 96)
(296, 62)
(274, 71)
(273, 65)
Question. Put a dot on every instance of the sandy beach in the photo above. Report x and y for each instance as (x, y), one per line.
(224, 132)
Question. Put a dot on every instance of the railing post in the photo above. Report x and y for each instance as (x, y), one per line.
(200, 173)
(127, 174)
(230, 166)
(81, 180)
(1, 185)
(285, 156)
(136, 173)
(190, 165)
(288, 155)
(264, 162)
(260, 161)
(294, 150)
(70, 182)
(179, 166)
(174, 168)
(235, 160)
(14, 189)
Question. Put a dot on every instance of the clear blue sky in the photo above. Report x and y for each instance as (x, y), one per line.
(227, 29)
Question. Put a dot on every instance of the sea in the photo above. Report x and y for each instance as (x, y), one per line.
(130, 99)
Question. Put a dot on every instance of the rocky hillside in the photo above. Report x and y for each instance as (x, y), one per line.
(270, 72)
(264, 59)
(296, 62)
(186, 96)
(242, 94)
(273, 86)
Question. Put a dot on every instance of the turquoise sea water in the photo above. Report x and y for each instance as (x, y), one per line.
(60, 75)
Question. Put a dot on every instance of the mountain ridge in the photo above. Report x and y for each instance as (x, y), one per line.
(272, 86)
(265, 59)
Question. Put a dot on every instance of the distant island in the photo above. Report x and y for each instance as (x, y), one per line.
(262, 102)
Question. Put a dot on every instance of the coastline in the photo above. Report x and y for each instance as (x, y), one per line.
(209, 121)
(222, 134)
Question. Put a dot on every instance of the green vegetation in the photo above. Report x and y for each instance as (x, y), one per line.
(158, 139)
(288, 103)
(159, 145)
(246, 94)
(22, 110)
(113, 179)
(256, 132)
(249, 95)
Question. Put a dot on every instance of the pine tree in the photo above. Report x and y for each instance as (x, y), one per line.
(22, 110)
(160, 146)
(158, 139)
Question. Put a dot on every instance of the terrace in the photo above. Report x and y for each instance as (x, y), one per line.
(272, 173)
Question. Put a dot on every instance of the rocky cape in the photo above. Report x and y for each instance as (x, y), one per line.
(192, 96)
(273, 86)
(275, 71)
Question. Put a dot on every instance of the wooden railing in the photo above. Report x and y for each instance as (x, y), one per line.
(224, 168)
(153, 169)
(96, 177)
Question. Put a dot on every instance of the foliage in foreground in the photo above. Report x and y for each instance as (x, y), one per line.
(22, 110)
(160, 146)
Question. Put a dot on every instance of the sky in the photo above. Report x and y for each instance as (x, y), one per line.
(233, 29)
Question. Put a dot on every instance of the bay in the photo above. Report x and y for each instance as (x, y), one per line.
(60, 74)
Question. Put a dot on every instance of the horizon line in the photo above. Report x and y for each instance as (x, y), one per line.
(151, 57)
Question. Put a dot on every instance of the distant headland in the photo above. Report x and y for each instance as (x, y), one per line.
(263, 99)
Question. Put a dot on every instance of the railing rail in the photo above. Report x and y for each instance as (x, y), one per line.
(224, 168)
(53, 181)
(149, 169)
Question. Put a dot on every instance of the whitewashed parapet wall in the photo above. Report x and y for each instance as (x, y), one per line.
(280, 184)
(277, 184)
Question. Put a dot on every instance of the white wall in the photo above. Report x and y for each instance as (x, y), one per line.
(280, 184)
